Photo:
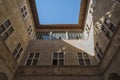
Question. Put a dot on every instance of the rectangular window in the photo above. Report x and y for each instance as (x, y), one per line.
(80, 58)
(107, 21)
(74, 35)
(33, 58)
(108, 28)
(29, 30)
(43, 35)
(29, 61)
(10, 30)
(2, 29)
(6, 29)
(58, 35)
(87, 62)
(106, 32)
(112, 27)
(58, 58)
(83, 59)
(98, 51)
(85, 55)
(17, 52)
(5, 36)
(81, 62)
(24, 11)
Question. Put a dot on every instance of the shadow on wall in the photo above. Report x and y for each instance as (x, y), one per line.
(3, 76)
(114, 76)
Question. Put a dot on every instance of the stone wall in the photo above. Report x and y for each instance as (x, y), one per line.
(46, 48)
(110, 47)
(57, 73)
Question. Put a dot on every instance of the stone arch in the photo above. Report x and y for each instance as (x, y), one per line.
(3, 76)
(114, 76)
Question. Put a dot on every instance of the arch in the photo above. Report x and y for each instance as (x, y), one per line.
(114, 76)
(3, 76)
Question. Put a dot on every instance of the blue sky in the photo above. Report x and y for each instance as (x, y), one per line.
(58, 11)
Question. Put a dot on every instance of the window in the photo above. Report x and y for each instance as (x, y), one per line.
(91, 9)
(106, 32)
(6, 29)
(98, 51)
(107, 21)
(29, 30)
(24, 11)
(110, 25)
(74, 35)
(58, 58)
(33, 58)
(108, 28)
(17, 52)
(43, 35)
(58, 35)
(83, 59)
(87, 28)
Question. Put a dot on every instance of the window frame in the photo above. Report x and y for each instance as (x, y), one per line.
(33, 58)
(6, 29)
(23, 13)
(83, 58)
(58, 59)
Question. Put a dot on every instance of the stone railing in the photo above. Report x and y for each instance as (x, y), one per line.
(58, 70)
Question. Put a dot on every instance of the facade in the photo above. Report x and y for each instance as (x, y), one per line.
(89, 50)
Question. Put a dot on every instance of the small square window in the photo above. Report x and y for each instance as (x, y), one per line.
(61, 62)
(2, 29)
(18, 46)
(21, 49)
(55, 62)
(55, 55)
(35, 62)
(10, 30)
(29, 61)
(37, 55)
(108, 35)
(103, 29)
(81, 62)
(80, 56)
(61, 55)
(87, 61)
(5, 36)
(85, 55)
(112, 27)
(15, 52)
(107, 21)
(31, 55)
(7, 24)
(24, 8)
(25, 13)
